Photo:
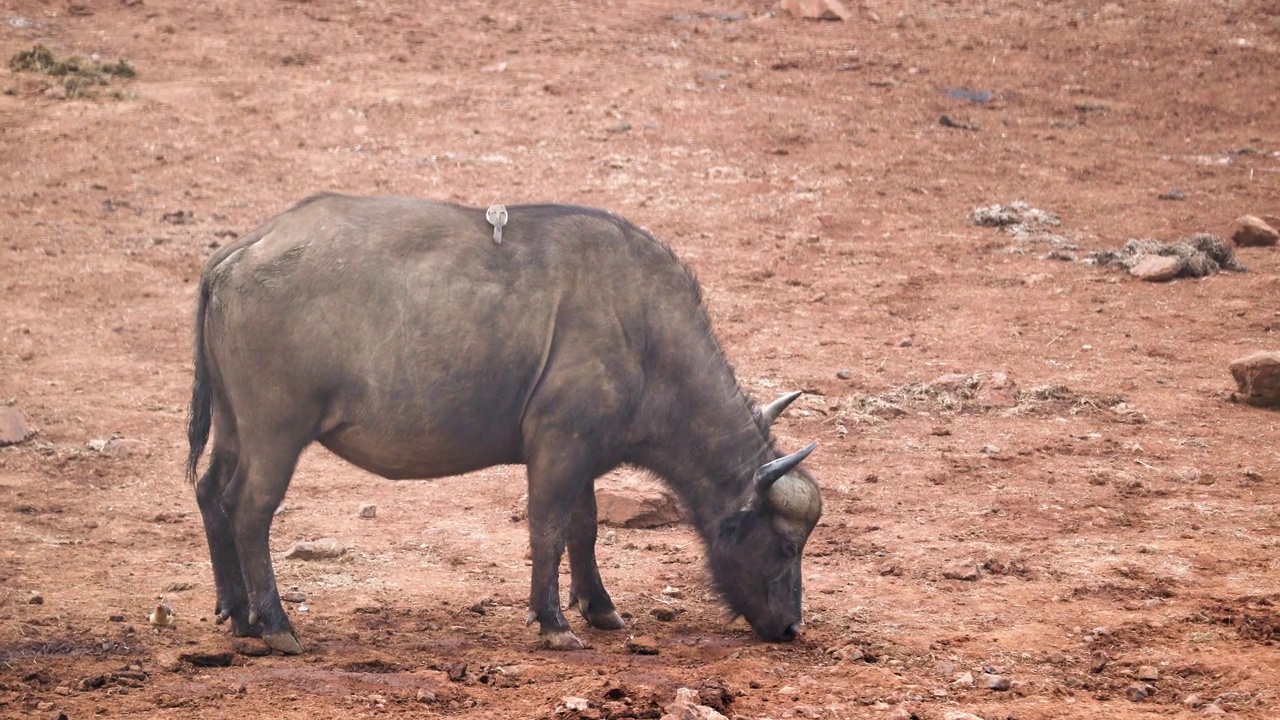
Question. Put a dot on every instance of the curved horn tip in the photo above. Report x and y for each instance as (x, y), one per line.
(774, 409)
(769, 473)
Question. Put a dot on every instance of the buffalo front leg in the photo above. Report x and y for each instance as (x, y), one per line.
(256, 501)
(233, 599)
(587, 590)
(556, 479)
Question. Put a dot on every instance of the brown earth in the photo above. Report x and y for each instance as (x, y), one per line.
(1122, 507)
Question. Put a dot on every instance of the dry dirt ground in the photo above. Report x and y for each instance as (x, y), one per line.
(1122, 508)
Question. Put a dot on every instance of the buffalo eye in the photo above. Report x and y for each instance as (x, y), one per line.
(790, 549)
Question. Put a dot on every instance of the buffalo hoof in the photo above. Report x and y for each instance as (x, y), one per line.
(561, 640)
(606, 621)
(285, 642)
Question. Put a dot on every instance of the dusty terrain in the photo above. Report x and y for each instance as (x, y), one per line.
(1122, 508)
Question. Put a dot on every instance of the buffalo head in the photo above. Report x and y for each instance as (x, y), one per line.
(755, 553)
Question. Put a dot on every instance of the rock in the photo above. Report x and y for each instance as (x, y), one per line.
(843, 374)
(13, 429)
(293, 596)
(997, 390)
(998, 683)
(907, 342)
(959, 715)
(35, 598)
(964, 679)
(851, 653)
(688, 706)
(817, 9)
(1057, 657)
(1193, 700)
(425, 696)
(1137, 692)
(322, 549)
(642, 645)
(367, 510)
(636, 505)
(1214, 709)
(457, 671)
(122, 448)
(963, 570)
(1258, 378)
(1148, 673)
(1253, 231)
(1157, 268)
(576, 704)
(951, 382)
(663, 614)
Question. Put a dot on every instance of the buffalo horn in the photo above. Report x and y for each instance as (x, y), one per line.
(769, 473)
(771, 411)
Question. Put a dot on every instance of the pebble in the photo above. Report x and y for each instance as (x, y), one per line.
(964, 679)
(322, 549)
(642, 645)
(1057, 657)
(1148, 673)
(816, 9)
(35, 598)
(575, 704)
(959, 715)
(964, 570)
(849, 652)
(843, 374)
(610, 538)
(997, 390)
(664, 614)
(425, 696)
(367, 510)
(1193, 700)
(906, 342)
(996, 682)
(1137, 692)
(293, 596)
(1214, 709)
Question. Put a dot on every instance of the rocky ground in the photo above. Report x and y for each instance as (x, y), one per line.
(1044, 497)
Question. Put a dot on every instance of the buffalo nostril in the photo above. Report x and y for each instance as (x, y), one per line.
(789, 633)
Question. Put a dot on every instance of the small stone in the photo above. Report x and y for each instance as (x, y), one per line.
(122, 448)
(1157, 268)
(1213, 709)
(1193, 700)
(62, 690)
(959, 715)
(998, 683)
(1148, 673)
(663, 614)
(990, 449)
(997, 390)
(425, 696)
(293, 596)
(457, 671)
(843, 374)
(817, 9)
(1258, 378)
(849, 652)
(902, 712)
(576, 704)
(907, 342)
(1253, 231)
(951, 382)
(610, 538)
(1137, 692)
(35, 598)
(322, 549)
(115, 618)
(13, 429)
(1057, 657)
(964, 570)
(178, 586)
(964, 679)
(367, 511)
(642, 645)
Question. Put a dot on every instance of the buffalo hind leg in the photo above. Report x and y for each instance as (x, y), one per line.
(270, 468)
(556, 478)
(233, 599)
(587, 590)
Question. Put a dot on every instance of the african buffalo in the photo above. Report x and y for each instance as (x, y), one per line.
(400, 335)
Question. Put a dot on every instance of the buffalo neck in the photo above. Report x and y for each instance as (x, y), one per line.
(707, 446)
